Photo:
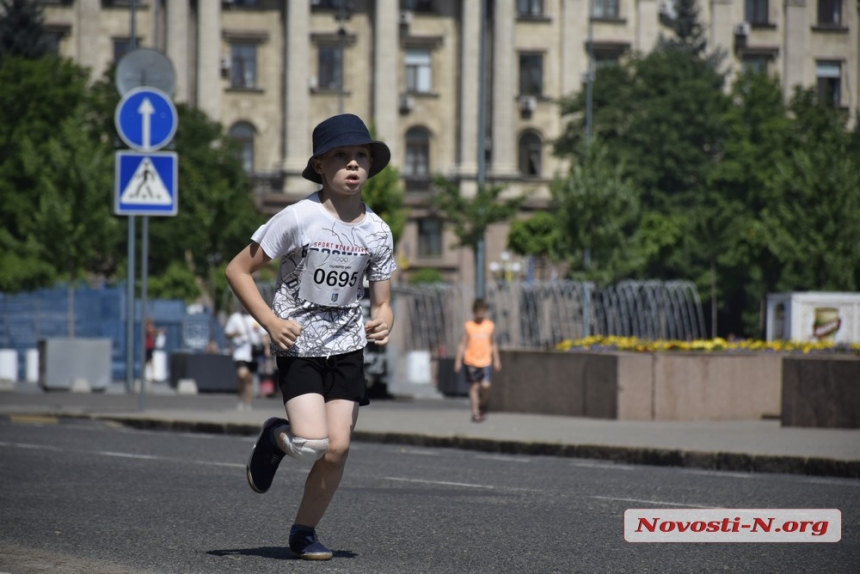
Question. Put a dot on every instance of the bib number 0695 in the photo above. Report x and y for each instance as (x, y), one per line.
(335, 278)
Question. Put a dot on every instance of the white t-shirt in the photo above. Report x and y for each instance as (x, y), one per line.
(323, 265)
(246, 332)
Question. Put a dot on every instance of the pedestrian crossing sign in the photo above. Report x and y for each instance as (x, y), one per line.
(146, 183)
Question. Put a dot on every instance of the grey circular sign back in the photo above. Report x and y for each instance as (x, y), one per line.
(145, 67)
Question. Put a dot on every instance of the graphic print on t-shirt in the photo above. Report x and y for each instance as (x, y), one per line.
(315, 288)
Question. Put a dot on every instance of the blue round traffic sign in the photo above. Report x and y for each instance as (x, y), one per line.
(146, 119)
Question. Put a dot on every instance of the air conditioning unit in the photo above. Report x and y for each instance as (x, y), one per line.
(667, 9)
(528, 103)
(405, 17)
(406, 103)
(742, 29)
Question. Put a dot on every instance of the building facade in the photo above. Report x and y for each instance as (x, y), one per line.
(269, 70)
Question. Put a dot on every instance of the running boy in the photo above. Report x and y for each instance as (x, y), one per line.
(478, 352)
(327, 243)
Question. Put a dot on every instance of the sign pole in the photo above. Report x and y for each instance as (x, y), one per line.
(129, 344)
(129, 330)
(144, 269)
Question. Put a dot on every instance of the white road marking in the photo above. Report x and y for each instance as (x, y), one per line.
(462, 484)
(654, 502)
(442, 482)
(502, 458)
(720, 473)
(601, 466)
(129, 455)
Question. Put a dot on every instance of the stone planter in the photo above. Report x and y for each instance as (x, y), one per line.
(640, 386)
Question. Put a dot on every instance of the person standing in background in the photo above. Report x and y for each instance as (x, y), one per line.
(245, 334)
(478, 352)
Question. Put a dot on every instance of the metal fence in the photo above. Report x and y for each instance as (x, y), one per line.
(27, 318)
(539, 315)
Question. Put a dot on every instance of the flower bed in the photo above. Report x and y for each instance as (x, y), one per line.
(633, 344)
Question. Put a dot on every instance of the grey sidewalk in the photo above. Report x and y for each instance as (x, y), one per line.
(759, 446)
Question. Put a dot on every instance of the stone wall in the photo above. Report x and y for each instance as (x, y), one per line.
(821, 392)
(639, 386)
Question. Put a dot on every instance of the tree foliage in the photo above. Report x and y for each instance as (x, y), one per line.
(384, 194)
(22, 30)
(596, 208)
(470, 217)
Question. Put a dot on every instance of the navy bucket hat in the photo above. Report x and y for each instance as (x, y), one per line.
(346, 130)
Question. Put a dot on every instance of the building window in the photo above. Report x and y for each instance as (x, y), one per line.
(829, 76)
(52, 42)
(605, 9)
(417, 153)
(243, 132)
(417, 5)
(418, 71)
(606, 59)
(530, 8)
(531, 74)
(756, 12)
(429, 238)
(830, 12)
(121, 47)
(243, 68)
(755, 64)
(530, 154)
(244, 3)
(330, 67)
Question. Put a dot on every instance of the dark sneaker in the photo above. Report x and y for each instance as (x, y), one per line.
(265, 457)
(304, 544)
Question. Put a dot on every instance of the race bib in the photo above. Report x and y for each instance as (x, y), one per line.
(332, 279)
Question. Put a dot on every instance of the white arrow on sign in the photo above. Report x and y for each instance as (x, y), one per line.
(146, 110)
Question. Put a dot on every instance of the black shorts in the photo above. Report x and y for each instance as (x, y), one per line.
(251, 365)
(333, 377)
(477, 374)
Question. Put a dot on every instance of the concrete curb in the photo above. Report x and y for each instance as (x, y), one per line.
(721, 461)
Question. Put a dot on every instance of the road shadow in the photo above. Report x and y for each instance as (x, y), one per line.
(273, 552)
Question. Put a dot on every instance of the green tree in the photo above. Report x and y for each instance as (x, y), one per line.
(217, 213)
(537, 236)
(29, 112)
(470, 217)
(597, 211)
(662, 117)
(744, 269)
(813, 230)
(216, 209)
(72, 221)
(384, 194)
(22, 30)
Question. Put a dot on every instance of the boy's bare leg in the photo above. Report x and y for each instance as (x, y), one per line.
(325, 475)
(484, 396)
(475, 399)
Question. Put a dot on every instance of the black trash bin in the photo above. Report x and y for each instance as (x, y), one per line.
(448, 382)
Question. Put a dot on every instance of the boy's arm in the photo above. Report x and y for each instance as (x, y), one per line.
(461, 351)
(381, 313)
(239, 276)
(497, 363)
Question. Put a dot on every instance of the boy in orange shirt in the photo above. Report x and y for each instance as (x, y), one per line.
(478, 352)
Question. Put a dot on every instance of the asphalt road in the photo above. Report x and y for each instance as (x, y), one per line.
(89, 497)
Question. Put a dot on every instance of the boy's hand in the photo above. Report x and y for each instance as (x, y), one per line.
(284, 333)
(377, 331)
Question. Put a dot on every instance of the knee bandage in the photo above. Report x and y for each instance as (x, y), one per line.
(309, 449)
